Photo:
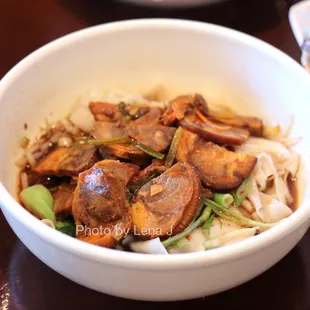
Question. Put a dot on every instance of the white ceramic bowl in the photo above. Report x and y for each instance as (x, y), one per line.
(173, 3)
(224, 65)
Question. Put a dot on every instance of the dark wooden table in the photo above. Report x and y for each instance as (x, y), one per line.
(25, 282)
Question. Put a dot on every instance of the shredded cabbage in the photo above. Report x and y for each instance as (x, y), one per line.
(276, 209)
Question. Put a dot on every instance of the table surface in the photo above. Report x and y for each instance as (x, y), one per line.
(25, 282)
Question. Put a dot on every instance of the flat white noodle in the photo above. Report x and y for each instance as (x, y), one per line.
(255, 217)
(289, 142)
(220, 227)
(149, 247)
(231, 237)
(276, 209)
(197, 239)
(255, 199)
(263, 170)
(247, 205)
(241, 211)
(266, 169)
(292, 166)
(222, 232)
(265, 203)
(255, 146)
(282, 190)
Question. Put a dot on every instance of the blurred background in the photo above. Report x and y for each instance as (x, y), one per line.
(25, 25)
(246, 15)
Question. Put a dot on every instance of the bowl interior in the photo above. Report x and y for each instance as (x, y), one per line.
(225, 66)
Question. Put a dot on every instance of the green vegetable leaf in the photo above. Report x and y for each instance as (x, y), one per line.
(39, 201)
(66, 227)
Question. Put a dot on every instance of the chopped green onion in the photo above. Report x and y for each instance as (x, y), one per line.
(174, 147)
(225, 200)
(66, 227)
(235, 217)
(243, 191)
(189, 229)
(39, 201)
(207, 225)
(147, 149)
(124, 140)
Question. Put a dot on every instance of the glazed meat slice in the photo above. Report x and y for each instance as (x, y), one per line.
(152, 117)
(106, 130)
(186, 146)
(100, 201)
(68, 161)
(200, 103)
(63, 199)
(180, 106)
(104, 111)
(167, 204)
(157, 167)
(215, 132)
(253, 124)
(177, 109)
(157, 137)
(218, 167)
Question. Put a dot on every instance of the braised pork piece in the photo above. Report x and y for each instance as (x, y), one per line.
(158, 179)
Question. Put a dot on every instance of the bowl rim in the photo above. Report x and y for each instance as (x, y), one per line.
(151, 261)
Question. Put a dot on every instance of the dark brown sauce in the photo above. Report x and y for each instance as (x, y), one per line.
(293, 187)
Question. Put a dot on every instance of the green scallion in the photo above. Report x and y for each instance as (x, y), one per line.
(174, 147)
(207, 225)
(225, 200)
(147, 149)
(235, 217)
(243, 191)
(189, 229)
(124, 140)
